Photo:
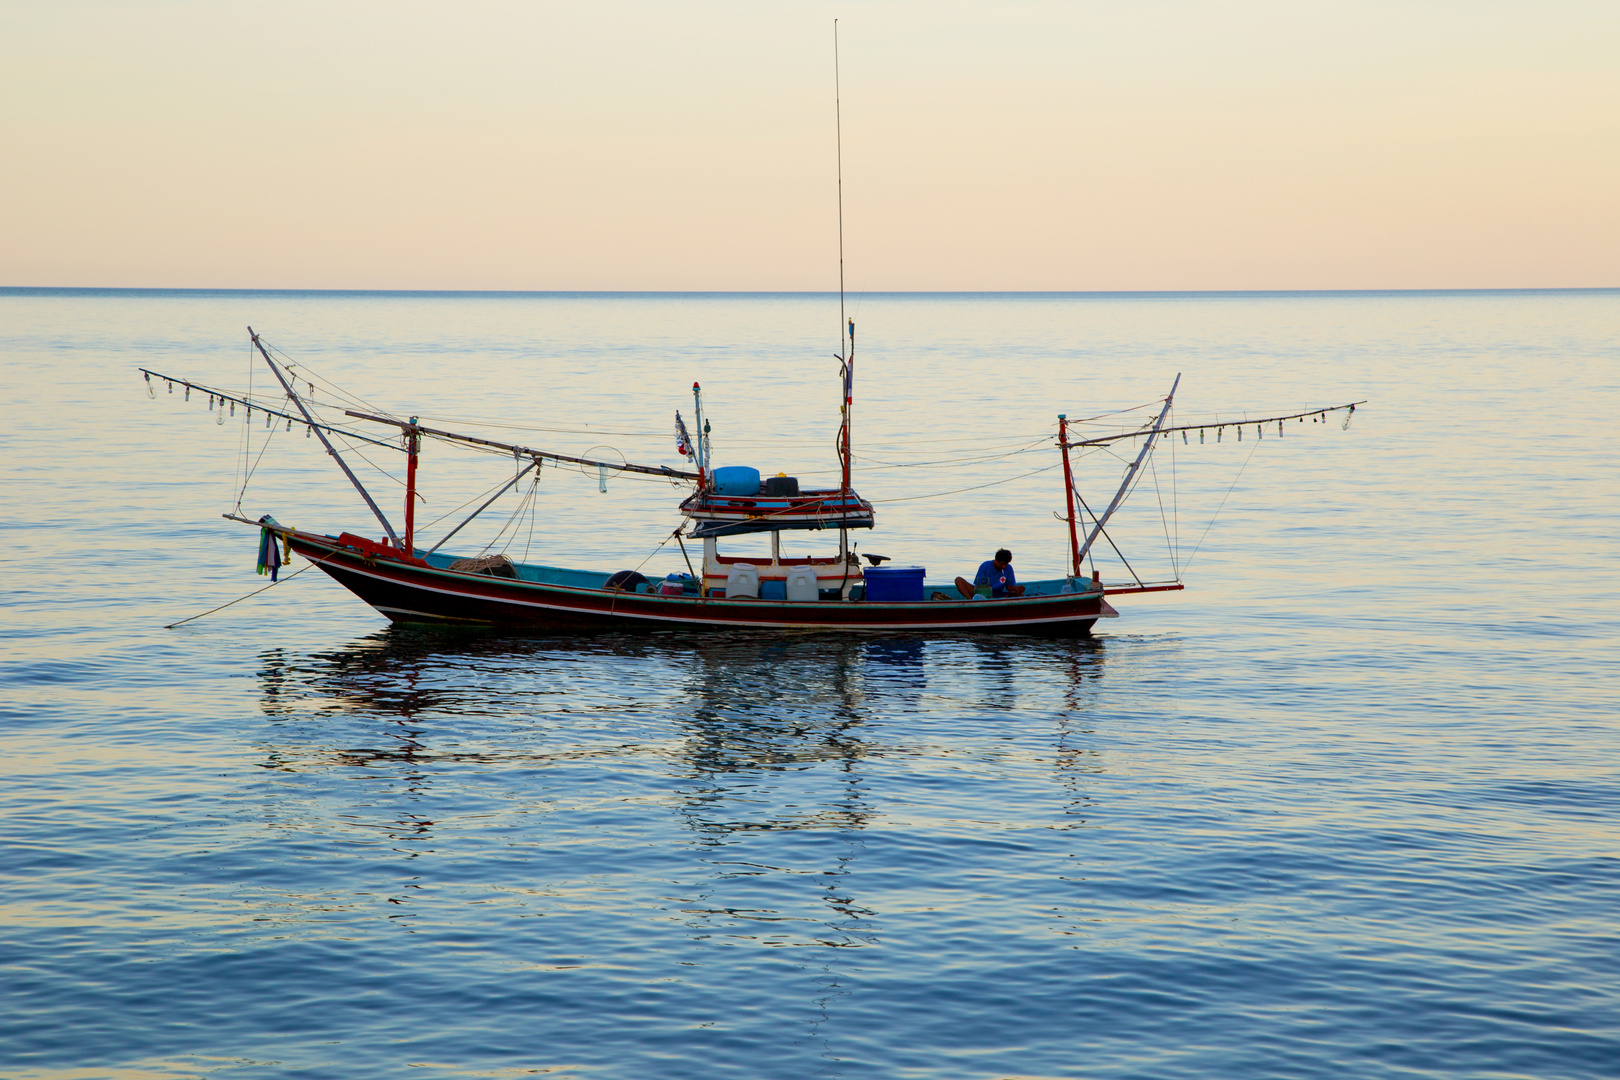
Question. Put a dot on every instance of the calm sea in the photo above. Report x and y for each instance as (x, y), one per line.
(1348, 806)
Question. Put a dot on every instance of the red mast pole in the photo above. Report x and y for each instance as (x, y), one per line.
(1068, 491)
(849, 399)
(413, 443)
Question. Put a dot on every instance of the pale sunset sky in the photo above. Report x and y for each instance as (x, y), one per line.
(1255, 144)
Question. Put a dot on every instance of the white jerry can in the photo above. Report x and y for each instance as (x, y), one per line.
(742, 581)
(801, 584)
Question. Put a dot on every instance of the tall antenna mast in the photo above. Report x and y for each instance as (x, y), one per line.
(846, 345)
(838, 125)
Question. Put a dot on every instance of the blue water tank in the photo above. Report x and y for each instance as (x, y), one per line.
(888, 583)
(736, 480)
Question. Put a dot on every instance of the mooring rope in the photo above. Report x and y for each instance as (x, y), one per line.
(313, 564)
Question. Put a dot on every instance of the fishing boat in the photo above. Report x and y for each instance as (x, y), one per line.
(833, 592)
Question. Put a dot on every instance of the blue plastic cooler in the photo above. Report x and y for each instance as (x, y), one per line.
(894, 582)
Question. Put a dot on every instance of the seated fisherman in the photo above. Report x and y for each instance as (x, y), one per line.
(996, 573)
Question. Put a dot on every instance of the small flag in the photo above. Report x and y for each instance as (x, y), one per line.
(683, 441)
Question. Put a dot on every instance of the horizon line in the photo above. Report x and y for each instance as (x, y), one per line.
(46, 290)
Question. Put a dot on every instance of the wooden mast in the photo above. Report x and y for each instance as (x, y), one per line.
(849, 401)
(413, 446)
(1068, 491)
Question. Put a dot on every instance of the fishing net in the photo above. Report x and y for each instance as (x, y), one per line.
(493, 565)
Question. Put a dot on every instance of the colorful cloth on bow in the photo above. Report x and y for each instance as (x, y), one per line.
(269, 553)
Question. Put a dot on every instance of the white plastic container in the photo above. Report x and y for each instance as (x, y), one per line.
(801, 584)
(742, 581)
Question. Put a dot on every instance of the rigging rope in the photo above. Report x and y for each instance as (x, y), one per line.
(245, 445)
(975, 487)
(1164, 522)
(511, 522)
(1218, 508)
(246, 479)
(1105, 535)
(660, 546)
(310, 377)
(1023, 448)
(458, 509)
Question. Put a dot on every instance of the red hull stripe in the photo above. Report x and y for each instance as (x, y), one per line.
(402, 590)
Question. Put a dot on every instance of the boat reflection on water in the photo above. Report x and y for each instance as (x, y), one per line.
(761, 707)
(739, 702)
(611, 739)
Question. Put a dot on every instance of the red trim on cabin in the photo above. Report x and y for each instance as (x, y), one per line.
(787, 562)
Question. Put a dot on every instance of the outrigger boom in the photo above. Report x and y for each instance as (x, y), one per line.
(1130, 475)
(524, 451)
(330, 449)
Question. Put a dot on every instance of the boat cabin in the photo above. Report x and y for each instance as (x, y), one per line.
(738, 502)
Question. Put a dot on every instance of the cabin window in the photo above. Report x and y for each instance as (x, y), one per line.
(749, 547)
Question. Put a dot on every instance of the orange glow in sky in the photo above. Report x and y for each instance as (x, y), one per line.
(1023, 145)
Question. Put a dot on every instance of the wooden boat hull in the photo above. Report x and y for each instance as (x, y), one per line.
(413, 592)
